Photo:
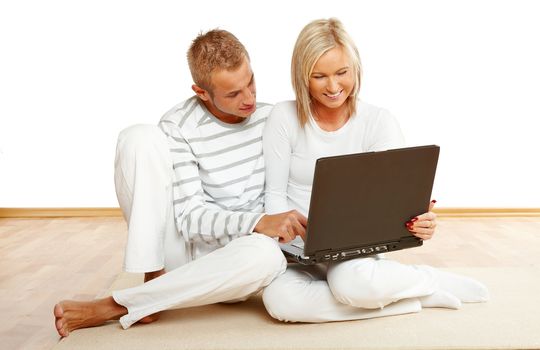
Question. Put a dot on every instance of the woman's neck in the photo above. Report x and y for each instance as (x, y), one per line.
(330, 119)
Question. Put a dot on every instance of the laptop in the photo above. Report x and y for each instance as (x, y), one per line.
(360, 203)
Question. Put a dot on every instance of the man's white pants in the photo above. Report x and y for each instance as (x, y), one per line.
(350, 290)
(232, 273)
(143, 179)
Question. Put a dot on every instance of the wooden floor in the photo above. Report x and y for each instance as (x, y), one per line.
(46, 260)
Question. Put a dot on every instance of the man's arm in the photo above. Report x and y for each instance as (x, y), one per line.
(194, 218)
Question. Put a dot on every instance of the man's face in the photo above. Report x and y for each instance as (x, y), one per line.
(232, 96)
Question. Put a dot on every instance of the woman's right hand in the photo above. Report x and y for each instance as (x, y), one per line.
(423, 226)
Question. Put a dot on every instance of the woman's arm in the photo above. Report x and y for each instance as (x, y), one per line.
(277, 155)
(386, 133)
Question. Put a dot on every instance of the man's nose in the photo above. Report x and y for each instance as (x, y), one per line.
(249, 97)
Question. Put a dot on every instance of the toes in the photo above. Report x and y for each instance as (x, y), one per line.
(59, 321)
(58, 311)
(149, 319)
(60, 328)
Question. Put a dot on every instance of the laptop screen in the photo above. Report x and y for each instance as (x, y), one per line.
(366, 198)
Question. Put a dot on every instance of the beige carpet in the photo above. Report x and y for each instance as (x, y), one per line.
(511, 320)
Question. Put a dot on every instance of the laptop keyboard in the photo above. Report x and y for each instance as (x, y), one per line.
(344, 254)
(298, 244)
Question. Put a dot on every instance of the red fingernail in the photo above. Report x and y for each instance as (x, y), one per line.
(434, 201)
(414, 219)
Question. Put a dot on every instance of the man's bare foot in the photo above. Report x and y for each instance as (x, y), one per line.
(147, 277)
(154, 274)
(70, 315)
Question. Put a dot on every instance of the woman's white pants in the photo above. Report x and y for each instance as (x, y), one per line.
(350, 290)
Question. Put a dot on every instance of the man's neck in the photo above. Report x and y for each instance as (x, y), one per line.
(226, 118)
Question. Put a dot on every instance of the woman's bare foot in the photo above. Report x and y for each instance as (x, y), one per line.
(70, 315)
(147, 277)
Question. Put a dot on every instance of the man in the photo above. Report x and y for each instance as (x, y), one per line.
(192, 194)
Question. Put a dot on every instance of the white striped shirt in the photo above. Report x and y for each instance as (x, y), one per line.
(219, 169)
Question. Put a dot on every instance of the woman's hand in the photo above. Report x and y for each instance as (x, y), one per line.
(423, 226)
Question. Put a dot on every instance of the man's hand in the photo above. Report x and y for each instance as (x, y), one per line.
(286, 226)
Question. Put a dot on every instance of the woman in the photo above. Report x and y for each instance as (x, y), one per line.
(328, 119)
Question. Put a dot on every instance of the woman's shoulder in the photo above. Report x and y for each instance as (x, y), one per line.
(370, 113)
(371, 110)
(288, 106)
(284, 113)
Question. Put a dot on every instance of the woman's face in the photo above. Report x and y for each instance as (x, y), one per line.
(332, 79)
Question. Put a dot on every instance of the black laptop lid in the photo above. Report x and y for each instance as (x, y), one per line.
(369, 195)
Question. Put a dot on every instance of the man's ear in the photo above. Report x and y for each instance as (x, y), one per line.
(200, 92)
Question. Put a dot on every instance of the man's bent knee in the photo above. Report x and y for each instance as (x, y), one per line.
(139, 136)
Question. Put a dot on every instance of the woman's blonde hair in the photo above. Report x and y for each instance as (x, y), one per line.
(214, 50)
(314, 40)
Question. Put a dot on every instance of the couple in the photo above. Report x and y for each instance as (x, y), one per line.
(195, 191)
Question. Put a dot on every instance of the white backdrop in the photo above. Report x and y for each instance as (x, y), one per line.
(461, 74)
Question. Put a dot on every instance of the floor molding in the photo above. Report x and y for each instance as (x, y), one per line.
(58, 212)
(116, 212)
(487, 212)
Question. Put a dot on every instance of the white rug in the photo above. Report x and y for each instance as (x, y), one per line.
(510, 320)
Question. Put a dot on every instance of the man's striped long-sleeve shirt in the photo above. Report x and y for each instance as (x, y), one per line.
(218, 193)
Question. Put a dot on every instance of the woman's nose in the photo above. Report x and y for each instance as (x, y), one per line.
(332, 85)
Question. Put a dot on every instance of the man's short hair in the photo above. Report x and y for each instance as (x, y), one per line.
(214, 50)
